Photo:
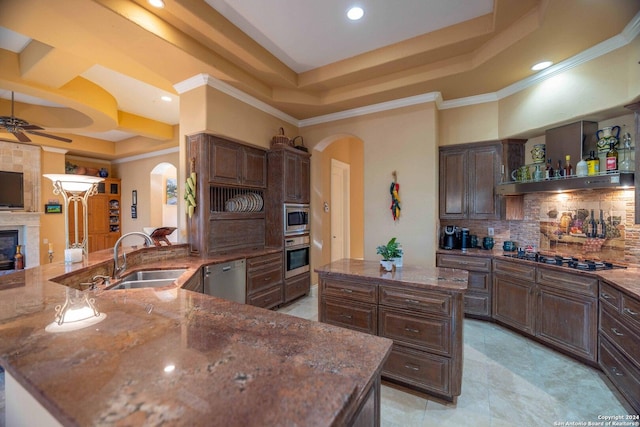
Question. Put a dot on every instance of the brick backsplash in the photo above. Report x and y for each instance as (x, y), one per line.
(538, 210)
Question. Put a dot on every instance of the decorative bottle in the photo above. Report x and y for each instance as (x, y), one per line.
(582, 168)
(568, 168)
(593, 227)
(612, 158)
(593, 164)
(19, 259)
(548, 173)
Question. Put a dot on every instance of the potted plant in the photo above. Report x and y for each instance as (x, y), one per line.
(389, 253)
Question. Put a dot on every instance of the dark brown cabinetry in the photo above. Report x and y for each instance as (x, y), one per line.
(264, 280)
(477, 299)
(231, 180)
(556, 307)
(619, 349)
(295, 182)
(468, 175)
(425, 326)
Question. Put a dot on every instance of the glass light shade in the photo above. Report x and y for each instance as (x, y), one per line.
(73, 183)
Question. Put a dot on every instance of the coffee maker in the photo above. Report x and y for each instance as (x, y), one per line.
(450, 237)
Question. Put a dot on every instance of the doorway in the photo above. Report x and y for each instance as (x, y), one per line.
(163, 200)
(340, 210)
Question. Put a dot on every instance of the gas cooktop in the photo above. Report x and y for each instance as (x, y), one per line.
(568, 262)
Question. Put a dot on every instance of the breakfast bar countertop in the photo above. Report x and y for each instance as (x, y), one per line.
(175, 357)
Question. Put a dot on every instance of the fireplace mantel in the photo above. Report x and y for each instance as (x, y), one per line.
(28, 226)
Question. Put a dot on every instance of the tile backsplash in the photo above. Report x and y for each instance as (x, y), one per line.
(555, 223)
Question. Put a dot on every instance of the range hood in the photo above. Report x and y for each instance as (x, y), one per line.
(603, 181)
(577, 140)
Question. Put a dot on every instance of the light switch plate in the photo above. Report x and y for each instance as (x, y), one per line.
(490, 231)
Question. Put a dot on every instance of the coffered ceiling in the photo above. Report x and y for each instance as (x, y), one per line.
(110, 61)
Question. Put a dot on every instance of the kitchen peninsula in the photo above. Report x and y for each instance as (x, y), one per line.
(174, 357)
(419, 308)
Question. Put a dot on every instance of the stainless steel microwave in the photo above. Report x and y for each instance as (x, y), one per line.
(296, 219)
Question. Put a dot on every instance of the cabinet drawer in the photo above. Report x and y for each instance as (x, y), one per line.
(571, 282)
(297, 286)
(360, 317)
(430, 334)
(264, 261)
(521, 271)
(624, 375)
(614, 328)
(430, 302)
(421, 370)
(349, 290)
(265, 278)
(610, 296)
(479, 282)
(268, 298)
(631, 311)
(477, 304)
(464, 262)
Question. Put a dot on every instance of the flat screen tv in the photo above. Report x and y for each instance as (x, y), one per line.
(11, 190)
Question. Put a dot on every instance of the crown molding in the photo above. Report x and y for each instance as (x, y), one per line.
(147, 155)
(54, 150)
(630, 32)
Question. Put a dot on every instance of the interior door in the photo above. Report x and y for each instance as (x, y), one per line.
(340, 232)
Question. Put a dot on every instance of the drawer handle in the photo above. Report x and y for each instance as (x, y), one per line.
(412, 301)
(631, 312)
(616, 372)
(605, 295)
(415, 331)
(412, 367)
(347, 316)
(615, 331)
(349, 291)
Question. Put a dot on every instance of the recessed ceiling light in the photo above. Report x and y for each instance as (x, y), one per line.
(541, 65)
(355, 13)
(165, 98)
(156, 3)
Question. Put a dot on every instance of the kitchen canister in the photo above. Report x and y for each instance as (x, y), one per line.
(539, 153)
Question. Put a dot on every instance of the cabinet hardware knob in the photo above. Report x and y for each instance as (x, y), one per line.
(347, 316)
(349, 291)
(631, 312)
(615, 331)
(413, 368)
(412, 301)
(605, 296)
(415, 331)
(616, 372)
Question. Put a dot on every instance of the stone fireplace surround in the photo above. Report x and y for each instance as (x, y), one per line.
(28, 226)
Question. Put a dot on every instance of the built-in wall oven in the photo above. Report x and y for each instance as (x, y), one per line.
(296, 255)
(296, 219)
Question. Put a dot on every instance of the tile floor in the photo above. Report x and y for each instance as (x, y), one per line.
(508, 380)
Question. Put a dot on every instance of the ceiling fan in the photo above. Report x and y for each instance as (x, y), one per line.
(18, 127)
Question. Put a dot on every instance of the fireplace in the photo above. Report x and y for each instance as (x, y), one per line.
(28, 226)
(8, 243)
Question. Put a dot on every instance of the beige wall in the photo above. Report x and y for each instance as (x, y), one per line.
(52, 225)
(402, 140)
(136, 175)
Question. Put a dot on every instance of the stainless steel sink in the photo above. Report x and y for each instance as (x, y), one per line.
(149, 279)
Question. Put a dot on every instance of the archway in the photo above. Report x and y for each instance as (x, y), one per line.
(163, 186)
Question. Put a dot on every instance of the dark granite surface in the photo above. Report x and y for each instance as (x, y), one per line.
(174, 357)
(410, 275)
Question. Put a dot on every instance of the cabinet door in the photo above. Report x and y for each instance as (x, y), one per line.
(305, 180)
(484, 172)
(291, 177)
(225, 162)
(453, 184)
(98, 214)
(254, 167)
(513, 302)
(569, 321)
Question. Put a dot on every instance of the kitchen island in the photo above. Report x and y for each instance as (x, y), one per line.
(419, 308)
(174, 357)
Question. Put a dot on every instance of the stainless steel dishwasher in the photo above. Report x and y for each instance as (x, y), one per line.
(227, 280)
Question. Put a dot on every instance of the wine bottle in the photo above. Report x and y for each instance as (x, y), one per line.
(593, 227)
(602, 227)
(559, 170)
(612, 158)
(568, 169)
(593, 164)
(548, 173)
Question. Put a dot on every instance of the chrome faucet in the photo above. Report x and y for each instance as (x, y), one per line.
(119, 269)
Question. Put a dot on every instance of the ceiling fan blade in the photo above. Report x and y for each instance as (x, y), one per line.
(46, 135)
(21, 137)
(31, 127)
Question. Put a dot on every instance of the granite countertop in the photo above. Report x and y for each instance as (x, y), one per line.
(433, 278)
(624, 279)
(175, 357)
